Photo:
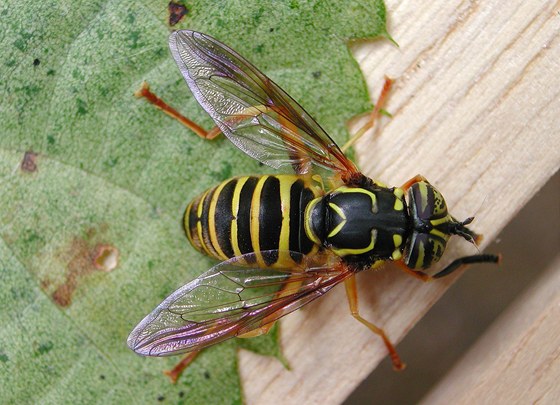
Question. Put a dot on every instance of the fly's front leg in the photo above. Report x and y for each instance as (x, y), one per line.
(416, 179)
(146, 93)
(352, 294)
(414, 273)
(373, 116)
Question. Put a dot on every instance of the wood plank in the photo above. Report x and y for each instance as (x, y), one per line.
(518, 358)
(475, 110)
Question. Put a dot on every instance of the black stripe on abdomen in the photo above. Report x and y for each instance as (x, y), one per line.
(224, 216)
(270, 218)
(244, 215)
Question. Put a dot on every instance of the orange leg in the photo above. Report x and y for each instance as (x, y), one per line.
(263, 330)
(373, 116)
(176, 371)
(418, 274)
(416, 179)
(146, 93)
(352, 294)
(292, 285)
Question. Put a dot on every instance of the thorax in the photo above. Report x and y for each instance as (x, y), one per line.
(359, 224)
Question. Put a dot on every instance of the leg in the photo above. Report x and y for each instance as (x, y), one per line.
(291, 285)
(375, 113)
(414, 273)
(416, 179)
(352, 294)
(176, 372)
(303, 162)
(145, 92)
(263, 330)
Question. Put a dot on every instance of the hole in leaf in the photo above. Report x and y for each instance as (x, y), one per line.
(106, 258)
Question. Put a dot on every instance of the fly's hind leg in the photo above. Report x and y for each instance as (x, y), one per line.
(176, 371)
(145, 92)
(352, 294)
(291, 285)
(263, 330)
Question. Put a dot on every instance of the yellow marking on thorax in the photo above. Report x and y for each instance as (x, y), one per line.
(398, 193)
(397, 241)
(374, 207)
(307, 221)
(346, 252)
(341, 214)
(377, 264)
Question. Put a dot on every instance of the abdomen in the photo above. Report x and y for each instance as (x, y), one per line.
(252, 214)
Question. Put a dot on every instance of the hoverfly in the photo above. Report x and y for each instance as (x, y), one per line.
(285, 239)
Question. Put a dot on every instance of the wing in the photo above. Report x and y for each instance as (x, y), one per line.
(256, 115)
(227, 301)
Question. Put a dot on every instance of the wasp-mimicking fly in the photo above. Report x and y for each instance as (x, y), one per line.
(285, 239)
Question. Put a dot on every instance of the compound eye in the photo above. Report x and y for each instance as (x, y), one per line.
(427, 201)
(439, 208)
(423, 250)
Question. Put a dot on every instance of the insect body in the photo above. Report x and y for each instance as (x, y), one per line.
(253, 214)
(283, 214)
(285, 239)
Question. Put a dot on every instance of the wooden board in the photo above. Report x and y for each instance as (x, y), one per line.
(518, 359)
(476, 109)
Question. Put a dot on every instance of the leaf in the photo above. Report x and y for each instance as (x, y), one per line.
(92, 178)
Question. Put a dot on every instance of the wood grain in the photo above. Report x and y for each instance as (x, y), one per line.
(518, 359)
(476, 109)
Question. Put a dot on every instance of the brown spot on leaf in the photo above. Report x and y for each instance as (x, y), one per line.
(46, 283)
(63, 294)
(176, 12)
(84, 258)
(29, 164)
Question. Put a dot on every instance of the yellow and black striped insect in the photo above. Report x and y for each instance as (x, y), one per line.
(285, 239)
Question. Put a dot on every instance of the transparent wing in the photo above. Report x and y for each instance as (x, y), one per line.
(259, 117)
(227, 301)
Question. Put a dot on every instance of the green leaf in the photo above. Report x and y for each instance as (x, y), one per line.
(91, 177)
